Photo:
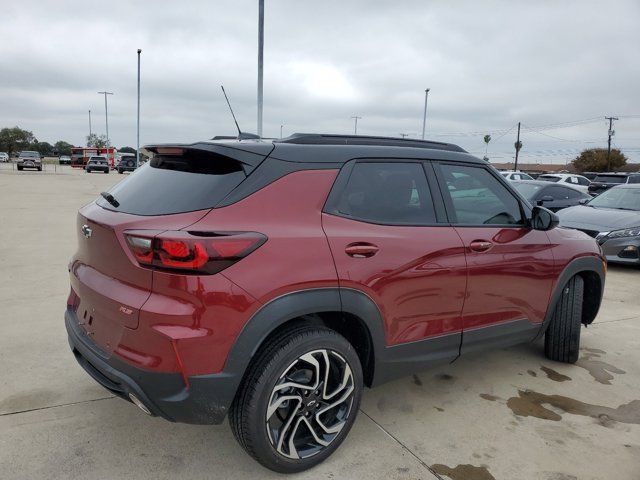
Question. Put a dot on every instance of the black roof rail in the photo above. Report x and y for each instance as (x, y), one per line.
(329, 139)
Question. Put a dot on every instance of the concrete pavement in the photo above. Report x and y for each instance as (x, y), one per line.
(504, 414)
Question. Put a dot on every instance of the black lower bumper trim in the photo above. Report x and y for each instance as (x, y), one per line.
(205, 401)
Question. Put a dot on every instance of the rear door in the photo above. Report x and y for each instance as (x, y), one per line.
(384, 222)
(510, 266)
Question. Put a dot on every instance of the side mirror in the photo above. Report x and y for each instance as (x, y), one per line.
(543, 219)
(584, 201)
(546, 198)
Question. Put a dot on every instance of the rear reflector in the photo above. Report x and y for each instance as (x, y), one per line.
(197, 252)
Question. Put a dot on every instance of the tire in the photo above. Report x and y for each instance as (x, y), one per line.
(294, 353)
(106, 171)
(562, 338)
(39, 169)
(120, 171)
(20, 169)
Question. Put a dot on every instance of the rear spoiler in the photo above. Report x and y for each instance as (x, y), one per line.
(250, 154)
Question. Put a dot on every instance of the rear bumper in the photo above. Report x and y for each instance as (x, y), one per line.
(205, 401)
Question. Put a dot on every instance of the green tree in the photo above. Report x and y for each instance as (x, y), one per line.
(96, 141)
(44, 148)
(127, 150)
(62, 148)
(15, 139)
(595, 160)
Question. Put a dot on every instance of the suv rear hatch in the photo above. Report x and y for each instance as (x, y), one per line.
(175, 189)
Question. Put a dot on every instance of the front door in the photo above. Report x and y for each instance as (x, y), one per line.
(510, 266)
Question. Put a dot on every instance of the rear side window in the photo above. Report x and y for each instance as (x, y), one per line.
(634, 179)
(478, 198)
(387, 193)
(583, 181)
(176, 183)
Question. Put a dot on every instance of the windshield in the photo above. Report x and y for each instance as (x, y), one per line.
(549, 178)
(610, 179)
(29, 154)
(620, 198)
(528, 190)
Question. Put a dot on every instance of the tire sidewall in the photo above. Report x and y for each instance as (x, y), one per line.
(266, 383)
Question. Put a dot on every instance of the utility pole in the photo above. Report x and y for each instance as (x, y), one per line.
(89, 122)
(424, 116)
(281, 125)
(355, 128)
(138, 122)
(260, 62)
(518, 146)
(106, 114)
(611, 133)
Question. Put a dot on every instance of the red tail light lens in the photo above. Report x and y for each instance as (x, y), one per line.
(197, 252)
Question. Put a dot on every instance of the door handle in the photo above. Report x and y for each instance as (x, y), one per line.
(361, 250)
(480, 245)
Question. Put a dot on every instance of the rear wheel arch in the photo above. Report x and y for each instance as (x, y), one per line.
(350, 313)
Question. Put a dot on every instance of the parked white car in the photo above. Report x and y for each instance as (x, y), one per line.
(576, 181)
(4, 157)
(511, 175)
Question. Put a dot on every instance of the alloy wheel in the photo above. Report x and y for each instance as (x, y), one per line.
(310, 404)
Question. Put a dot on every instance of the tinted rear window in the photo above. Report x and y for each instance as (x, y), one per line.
(176, 184)
(549, 178)
(611, 179)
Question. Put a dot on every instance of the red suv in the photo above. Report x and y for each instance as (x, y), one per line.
(271, 280)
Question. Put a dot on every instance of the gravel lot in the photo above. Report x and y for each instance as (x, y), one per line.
(506, 414)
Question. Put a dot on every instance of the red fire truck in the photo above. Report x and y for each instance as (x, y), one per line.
(81, 155)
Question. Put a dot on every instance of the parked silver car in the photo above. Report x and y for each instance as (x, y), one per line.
(612, 218)
(29, 159)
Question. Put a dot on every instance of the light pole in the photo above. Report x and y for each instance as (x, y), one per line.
(89, 122)
(138, 122)
(106, 114)
(355, 127)
(403, 135)
(260, 61)
(281, 125)
(424, 116)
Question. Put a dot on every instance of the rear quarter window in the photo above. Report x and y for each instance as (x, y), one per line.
(170, 184)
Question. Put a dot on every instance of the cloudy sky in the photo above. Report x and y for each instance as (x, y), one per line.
(558, 67)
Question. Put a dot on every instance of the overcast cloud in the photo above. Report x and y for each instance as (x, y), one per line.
(489, 65)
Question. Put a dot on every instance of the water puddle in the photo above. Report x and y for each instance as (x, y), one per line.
(599, 370)
(555, 376)
(463, 472)
(531, 404)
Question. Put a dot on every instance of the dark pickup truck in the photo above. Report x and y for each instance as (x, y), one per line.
(605, 181)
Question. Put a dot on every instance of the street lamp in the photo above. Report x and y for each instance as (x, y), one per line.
(138, 121)
(424, 116)
(355, 127)
(260, 62)
(106, 114)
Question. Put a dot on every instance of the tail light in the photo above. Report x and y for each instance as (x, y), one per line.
(197, 252)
